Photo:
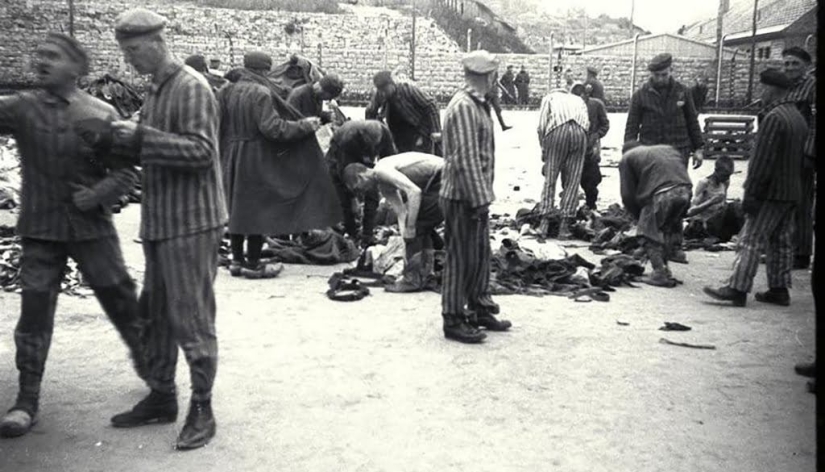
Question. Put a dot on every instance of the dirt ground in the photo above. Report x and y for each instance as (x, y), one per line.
(308, 384)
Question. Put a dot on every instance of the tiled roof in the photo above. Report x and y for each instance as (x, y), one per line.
(739, 17)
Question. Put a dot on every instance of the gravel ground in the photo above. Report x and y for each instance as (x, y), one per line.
(307, 384)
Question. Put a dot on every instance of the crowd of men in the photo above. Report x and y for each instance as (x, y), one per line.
(235, 153)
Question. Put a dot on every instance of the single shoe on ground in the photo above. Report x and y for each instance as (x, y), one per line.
(263, 271)
(727, 294)
(157, 407)
(199, 428)
(807, 369)
(458, 329)
(801, 262)
(779, 297)
(402, 285)
(658, 279)
(235, 269)
(489, 322)
(679, 257)
(16, 423)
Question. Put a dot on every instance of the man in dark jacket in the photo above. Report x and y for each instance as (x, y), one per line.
(309, 98)
(599, 126)
(64, 212)
(358, 142)
(803, 93)
(655, 189)
(770, 199)
(509, 84)
(598, 88)
(523, 85)
(198, 62)
(662, 112)
(411, 115)
(699, 92)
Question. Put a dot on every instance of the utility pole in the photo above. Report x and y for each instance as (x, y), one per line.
(753, 53)
(632, 12)
(412, 44)
(71, 18)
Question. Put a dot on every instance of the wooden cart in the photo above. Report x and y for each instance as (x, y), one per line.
(731, 136)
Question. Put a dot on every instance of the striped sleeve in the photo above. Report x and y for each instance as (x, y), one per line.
(464, 154)
(768, 147)
(192, 147)
(544, 117)
(426, 103)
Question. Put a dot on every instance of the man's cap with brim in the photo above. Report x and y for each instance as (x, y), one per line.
(775, 78)
(479, 62)
(257, 60)
(660, 62)
(138, 22)
(797, 51)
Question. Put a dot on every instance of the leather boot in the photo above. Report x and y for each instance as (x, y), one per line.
(488, 321)
(775, 296)
(121, 304)
(458, 329)
(727, 294)
(199, 428)
(157, 407)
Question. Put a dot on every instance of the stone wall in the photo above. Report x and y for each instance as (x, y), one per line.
(437, 60)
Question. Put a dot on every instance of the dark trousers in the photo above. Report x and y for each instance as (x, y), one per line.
(178, 300)
(42, 265)
(348, 199)
(804, 237)
(773, 227)
(591, 176)
(660, 224)
(254, 245)
(466, 278)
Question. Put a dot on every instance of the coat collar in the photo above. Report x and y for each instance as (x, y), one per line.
(164, 75)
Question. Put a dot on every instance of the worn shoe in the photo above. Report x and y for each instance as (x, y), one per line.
(489, 322)
(402, 286)
(801, 262)
(235, 269)
(157, 407)
(263, 271)
(774, 296)
(16, 423)
(679, 257)
(727, 294)
(199, 428)
(806, 369)
(658, 279)
(459, 330)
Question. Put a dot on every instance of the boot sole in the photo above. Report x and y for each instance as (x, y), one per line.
(158, 420)
(735, 303)
(466, 340)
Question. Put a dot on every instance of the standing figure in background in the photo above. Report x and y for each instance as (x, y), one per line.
(466, 195)
(562, 133)
(599, 126)
(411, 115)
(596, 85)
(198, 62)
(523, 85)
(494, 99)
(309, 98)
(803, 93)
(508, 81)
(699, 92)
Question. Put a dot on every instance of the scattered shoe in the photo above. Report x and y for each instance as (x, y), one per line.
(457, 329)
(16, 423)
(157, 407)
(263, 271)
(727, 294)
(658, 280)
(806, 369)
(774, 296)
(199, 428)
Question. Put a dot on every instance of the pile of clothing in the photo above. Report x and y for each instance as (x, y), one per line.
(317, 247)
(717, 233)
(10, 252)
(125, 98)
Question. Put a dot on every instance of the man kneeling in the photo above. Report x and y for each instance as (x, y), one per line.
(410, 182)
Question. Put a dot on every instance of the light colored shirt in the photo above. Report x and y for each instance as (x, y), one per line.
(557, 108)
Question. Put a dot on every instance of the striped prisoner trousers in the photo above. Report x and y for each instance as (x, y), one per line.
(772, 226)
(804, 240)
(466, 277)
(178, 301)
(563, 151)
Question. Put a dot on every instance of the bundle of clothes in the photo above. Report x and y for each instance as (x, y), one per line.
(317, 247)
(10, 252)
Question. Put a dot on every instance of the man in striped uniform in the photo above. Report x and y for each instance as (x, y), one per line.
(65, 212)
(466, 194)
(803, 93)
(562, 131)
(410, 114)
(770, 199)
(183, 213)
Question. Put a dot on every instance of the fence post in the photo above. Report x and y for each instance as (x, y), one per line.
(633, 67)
(469, 39)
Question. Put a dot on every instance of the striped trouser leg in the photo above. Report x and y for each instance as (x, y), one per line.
(161, 349)
(804, 235)
(780, 252)
(189, 265)
(458, 250)
(752, 240)
(571, 171)
(478, 239)
(554, 149)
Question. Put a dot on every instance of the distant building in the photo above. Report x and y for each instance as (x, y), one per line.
(653, 44)
(779, 24)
